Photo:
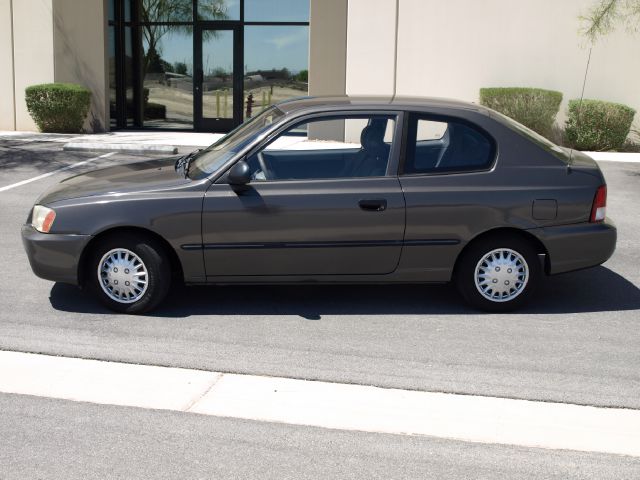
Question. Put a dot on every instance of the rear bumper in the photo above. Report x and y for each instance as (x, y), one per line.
(52, 256)
(574, 247)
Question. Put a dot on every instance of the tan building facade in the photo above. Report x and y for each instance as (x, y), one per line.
(44, 41)
(358, 47)
(452, 49)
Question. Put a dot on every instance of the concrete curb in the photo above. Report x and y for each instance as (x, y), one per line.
(120, 147)
(324, 404)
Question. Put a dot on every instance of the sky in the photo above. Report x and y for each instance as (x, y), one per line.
(266, 47)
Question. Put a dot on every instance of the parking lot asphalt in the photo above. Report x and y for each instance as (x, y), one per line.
(56, 439)
(578, 342)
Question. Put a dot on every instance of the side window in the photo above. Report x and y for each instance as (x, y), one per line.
(446, 145)
(329, 147)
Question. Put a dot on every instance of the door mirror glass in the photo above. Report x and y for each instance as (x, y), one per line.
(240, 174)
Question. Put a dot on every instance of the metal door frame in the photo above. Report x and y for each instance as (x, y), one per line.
(218, 124)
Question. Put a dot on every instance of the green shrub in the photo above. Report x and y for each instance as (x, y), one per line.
(532, 107)
(58, 107)
(596, 125)
(155, 111)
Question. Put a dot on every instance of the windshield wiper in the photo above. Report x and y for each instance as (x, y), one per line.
(182, 164)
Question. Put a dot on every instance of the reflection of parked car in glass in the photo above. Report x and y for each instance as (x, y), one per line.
(343, 190)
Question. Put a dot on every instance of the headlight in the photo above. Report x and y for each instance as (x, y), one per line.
(42, 218)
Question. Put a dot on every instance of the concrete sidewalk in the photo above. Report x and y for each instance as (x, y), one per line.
(121, 141)
(328, 405)
(167, 142)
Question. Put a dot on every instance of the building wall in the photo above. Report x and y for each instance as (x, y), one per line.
(453, 48)
(43, 41)
(32, 52)
(79, 53)
(327, 52)
(7, 103)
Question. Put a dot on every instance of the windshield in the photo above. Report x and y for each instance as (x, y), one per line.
(535, 137)
(215, 156)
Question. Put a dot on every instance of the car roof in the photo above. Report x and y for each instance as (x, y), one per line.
(364, 102)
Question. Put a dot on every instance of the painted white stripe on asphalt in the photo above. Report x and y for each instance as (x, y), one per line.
(328, 405)
(45, 175)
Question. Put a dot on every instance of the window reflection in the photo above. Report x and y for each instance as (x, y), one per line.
(276, 59)
(168, 76)
(218, 9)
(112, 77)
(166, 11)
(276, 10)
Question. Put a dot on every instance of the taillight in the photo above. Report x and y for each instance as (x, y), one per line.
(599, 208)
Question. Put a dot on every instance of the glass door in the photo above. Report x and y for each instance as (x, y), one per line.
(217, 85)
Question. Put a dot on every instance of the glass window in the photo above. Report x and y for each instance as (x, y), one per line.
(276, 10)
(276, 65)
(112, 77)
(127, 10)
(217, 71)
(439, 146)
(166, 11)
(111, 10)
(167, 76)
(343, 147)
(129, 76)
(218, 9)
(215, 156)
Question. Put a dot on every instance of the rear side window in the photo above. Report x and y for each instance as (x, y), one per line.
(443, 145)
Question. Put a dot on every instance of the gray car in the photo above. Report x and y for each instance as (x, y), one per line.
(333, 190)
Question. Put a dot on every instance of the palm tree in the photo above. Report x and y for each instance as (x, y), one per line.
(158, 11)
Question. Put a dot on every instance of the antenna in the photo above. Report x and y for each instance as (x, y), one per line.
(584, 84)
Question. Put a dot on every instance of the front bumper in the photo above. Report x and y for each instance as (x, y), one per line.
(53, 256)
(574, 247)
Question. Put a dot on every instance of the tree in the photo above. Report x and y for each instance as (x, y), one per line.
(181, 68)
(154, 11)
(603, 17)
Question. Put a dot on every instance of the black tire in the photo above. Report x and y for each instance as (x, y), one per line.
(465, 273)
(155, 261)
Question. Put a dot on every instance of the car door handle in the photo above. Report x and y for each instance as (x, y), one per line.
(373, 205)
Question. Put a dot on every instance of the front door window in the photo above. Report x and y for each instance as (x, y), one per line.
(328, 148)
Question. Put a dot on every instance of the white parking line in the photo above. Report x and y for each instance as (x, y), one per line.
(45, 175)
(327, 405)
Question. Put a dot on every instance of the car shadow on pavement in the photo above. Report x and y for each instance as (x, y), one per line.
(594, 290)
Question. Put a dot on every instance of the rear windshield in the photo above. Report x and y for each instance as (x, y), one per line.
(535, 137)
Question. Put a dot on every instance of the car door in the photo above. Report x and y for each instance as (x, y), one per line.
(322, 201)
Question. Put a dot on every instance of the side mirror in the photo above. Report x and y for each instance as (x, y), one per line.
(240, 173)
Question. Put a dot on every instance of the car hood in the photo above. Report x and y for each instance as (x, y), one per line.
(128, 178)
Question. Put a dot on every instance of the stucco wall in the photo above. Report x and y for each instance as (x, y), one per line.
(327, 52)
(452, 48)
(79, 52)
(33, 52)
(43, 41)
(7, 107)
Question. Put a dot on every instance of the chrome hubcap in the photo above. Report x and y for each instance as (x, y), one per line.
(123, 275)
(501, 275)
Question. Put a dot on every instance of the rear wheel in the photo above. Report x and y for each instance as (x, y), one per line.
(129, 273)
(498, 274)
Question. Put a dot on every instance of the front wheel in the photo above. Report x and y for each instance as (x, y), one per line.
(498, 274)
(129, 273)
